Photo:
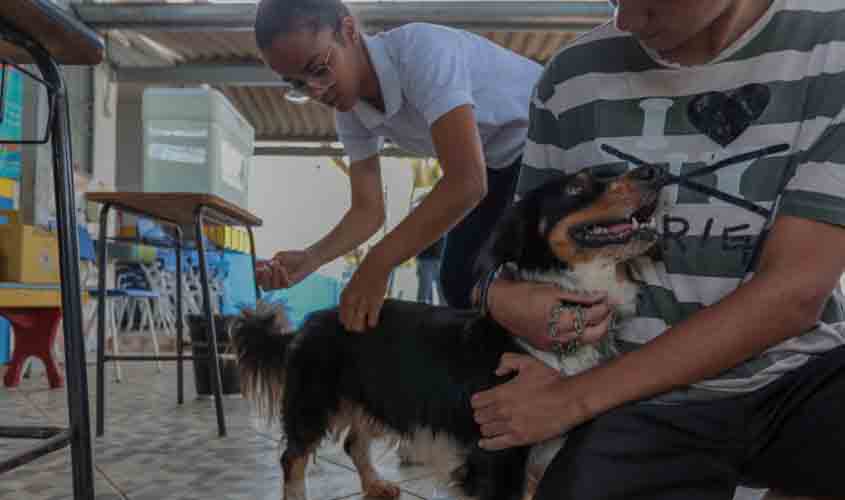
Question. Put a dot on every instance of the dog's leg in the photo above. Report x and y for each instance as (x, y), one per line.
(357, 446)
(294, 466)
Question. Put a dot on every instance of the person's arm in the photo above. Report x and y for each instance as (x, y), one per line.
(364, 217)
(435, 77)
(462, 187)
(800, 266)
(362, 220)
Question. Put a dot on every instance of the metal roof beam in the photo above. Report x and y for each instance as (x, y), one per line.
(232, 75)
(478, 16)
(331, 151)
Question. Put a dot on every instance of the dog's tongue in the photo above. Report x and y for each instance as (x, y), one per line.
(619, 228)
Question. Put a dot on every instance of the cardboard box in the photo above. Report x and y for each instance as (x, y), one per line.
(28, 254)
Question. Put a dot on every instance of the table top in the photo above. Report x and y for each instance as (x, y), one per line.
(67, 39)
(24, 295)
(176, 208)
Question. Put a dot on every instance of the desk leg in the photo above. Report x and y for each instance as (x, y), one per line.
(82, 460)
(35, 332)
(101, 319)
(252, 254)
(214, 361)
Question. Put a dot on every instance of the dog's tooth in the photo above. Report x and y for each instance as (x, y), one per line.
(634, 224)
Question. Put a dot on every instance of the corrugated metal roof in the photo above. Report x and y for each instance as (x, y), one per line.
(275, 119)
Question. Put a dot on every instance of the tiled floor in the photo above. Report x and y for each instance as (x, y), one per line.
(155, 449)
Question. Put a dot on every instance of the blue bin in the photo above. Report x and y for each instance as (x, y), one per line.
(314, 293)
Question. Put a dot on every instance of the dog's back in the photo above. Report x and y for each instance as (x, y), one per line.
(418, 367)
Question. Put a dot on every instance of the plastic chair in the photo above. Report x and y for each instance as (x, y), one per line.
(129, 293)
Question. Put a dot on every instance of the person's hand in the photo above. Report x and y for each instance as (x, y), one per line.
(527, 309)
(363, 296)
(285, 269)
(529, 408)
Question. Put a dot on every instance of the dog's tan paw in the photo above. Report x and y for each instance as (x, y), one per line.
(381, 489)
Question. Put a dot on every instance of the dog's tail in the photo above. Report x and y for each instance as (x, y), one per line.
(262, 340)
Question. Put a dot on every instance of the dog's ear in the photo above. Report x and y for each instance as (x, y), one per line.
(507, 242)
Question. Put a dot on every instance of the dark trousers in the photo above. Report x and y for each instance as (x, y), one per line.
(789, 435)
(464, 241)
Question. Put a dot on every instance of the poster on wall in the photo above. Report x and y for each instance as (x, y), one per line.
(11, 125)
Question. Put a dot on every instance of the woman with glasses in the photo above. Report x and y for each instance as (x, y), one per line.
(429, 89)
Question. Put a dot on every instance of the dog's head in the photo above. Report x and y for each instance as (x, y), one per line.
(576, 219)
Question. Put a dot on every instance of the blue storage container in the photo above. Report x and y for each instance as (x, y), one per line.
(314, 293)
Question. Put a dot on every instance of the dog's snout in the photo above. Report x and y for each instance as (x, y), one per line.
(651, 174)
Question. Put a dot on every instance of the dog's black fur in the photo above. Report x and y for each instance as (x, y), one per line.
(419, 367)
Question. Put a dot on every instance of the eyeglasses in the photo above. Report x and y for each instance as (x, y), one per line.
(318, 80)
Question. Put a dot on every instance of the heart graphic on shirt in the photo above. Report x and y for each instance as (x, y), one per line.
(724, 116)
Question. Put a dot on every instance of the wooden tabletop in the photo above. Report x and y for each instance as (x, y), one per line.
(30, 295)
(67, 39)
(177, 208)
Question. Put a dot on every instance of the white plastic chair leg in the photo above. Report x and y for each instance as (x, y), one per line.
(112, 330)
(147, 311)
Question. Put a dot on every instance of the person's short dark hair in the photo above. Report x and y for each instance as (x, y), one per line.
(281, 17)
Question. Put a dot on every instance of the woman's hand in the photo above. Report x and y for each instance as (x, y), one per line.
(363, 296)
(534, 406)
(527, 310)
(285, 269)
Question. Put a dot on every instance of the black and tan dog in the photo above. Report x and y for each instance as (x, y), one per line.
(413, 375)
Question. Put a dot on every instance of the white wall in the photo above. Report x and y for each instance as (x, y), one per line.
(301, 199)
(105, 128)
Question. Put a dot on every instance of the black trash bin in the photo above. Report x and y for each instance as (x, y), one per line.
(200, 348)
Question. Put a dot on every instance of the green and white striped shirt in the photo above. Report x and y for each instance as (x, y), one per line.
(782, 82)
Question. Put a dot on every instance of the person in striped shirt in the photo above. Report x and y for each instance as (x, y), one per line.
(733, 371)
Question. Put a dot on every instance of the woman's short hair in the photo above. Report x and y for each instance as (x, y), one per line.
(281, 17)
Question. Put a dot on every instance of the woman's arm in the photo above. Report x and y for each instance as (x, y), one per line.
(364, 217)
(462, 187)
(362, 220)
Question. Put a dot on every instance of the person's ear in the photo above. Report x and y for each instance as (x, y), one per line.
(349, 30)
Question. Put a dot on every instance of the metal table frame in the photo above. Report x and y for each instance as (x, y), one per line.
(78, 434)
(201, 213)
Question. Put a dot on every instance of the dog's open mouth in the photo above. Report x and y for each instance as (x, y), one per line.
(640, 225)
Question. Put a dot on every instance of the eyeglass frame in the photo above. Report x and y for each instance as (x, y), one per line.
(304, 88)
